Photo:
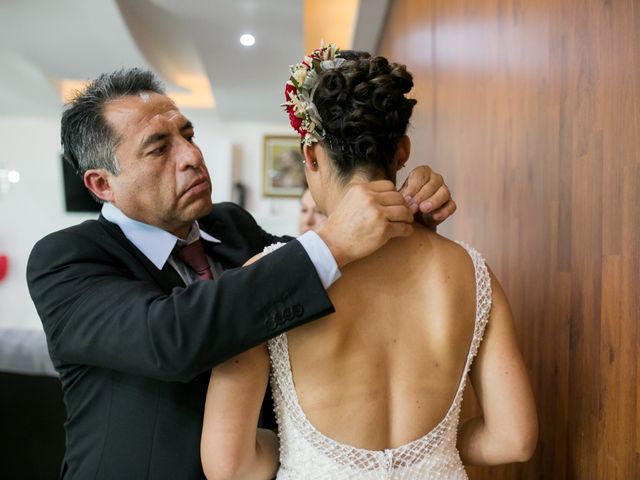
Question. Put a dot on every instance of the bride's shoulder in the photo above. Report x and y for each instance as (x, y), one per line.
(449, 256)
(439, 245)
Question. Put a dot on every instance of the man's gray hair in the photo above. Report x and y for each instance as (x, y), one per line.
(88, 141)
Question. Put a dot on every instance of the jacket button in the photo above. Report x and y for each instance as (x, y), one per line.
(298, 310)
(288, 314)
(278, 318)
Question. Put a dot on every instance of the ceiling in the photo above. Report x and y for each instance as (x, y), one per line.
(193, 45)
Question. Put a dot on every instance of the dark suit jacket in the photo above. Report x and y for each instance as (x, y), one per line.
(134, 346)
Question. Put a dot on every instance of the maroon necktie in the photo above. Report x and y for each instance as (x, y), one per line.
(193, 256)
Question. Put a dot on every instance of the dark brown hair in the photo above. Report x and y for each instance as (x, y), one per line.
(364, 112)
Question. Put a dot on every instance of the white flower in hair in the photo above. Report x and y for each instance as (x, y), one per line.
(303, 114)
(299, 75)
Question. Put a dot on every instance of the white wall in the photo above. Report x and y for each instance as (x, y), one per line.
(275, 215)
(35, 206)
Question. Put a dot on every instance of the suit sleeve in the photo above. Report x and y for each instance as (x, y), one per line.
(94, 313)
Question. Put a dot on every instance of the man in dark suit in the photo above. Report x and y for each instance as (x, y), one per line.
(130, 328)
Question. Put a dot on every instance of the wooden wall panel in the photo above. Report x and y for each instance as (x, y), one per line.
(532, 112)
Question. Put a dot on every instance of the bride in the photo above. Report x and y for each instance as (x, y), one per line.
(374, 390)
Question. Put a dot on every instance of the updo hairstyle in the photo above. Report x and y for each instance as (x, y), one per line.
(364, 113)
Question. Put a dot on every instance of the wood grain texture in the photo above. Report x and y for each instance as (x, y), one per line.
(531, 110)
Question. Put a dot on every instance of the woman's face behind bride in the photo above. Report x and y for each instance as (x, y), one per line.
(365, 115)
(310, 216)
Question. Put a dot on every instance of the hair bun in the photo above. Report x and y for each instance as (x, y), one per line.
(364, 112)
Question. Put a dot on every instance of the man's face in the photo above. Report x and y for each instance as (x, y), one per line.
(163, 180)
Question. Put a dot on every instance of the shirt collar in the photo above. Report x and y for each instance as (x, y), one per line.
(156, 244)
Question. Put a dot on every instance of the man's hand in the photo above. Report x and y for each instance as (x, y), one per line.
(425, 191)
(368, 216)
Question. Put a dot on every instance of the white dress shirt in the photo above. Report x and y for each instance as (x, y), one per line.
(157, 244)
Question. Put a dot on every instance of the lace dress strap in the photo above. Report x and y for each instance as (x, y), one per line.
(483, 301)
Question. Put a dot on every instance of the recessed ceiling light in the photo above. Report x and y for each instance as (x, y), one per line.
(247, 40)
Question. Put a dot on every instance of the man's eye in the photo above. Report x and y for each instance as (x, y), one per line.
(191, 137)
(159, 150)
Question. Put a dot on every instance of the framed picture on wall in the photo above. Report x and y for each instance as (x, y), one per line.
(282, 166)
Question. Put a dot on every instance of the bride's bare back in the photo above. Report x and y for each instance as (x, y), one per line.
(384, 369)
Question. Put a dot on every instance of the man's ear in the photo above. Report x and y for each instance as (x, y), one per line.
(310, 157)
(403, 151)
(97, 180)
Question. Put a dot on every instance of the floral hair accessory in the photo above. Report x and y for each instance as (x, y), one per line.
(298, 92)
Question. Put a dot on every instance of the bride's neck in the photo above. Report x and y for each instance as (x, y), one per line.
(336, 188)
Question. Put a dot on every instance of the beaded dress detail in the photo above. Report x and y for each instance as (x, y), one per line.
(306, 453)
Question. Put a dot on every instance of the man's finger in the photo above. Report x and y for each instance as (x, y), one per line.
(435, 200)
(444, 212)
(416, 179)
(398, 213)
(390, 198)
(427, 191)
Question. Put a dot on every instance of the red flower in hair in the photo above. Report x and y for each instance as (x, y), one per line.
(288, 88)
(298, 104)
(296, 122)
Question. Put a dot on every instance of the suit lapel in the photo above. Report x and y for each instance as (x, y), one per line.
(226, 252)
(168, 278)
(217, 252)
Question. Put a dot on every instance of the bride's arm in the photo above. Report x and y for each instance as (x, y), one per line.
(507, 429)
(232, 447)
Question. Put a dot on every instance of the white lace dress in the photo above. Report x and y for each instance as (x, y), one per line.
(305, 453)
